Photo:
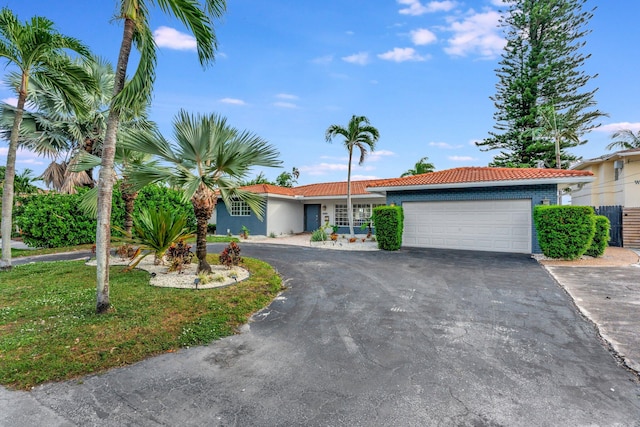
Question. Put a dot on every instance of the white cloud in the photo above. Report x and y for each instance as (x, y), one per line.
(415, 8)
(233, 101)
(462, 158)
(174, 39)
(349, 33)
(363, 177)
(375, 156)
(422, 36)
(323, 168)
(24, 157)
(444, 145)
(613, 127)
(402, 54)
(286, 96)
(11, 101)
(285, 105)
(323, 60)
(360, 58)
(477, 34)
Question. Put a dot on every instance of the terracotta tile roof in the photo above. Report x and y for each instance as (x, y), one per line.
(334, 188)
(480, 174)
(270, 189)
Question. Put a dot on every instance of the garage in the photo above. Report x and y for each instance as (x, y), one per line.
(476, 208)
(485, 225)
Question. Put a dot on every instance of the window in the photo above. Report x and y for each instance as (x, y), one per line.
(341, 218)
(361, 213)
(240, 208)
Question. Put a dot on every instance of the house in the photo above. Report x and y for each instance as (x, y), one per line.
(303, 208)
(617, 183)
(617, 180)
(475, 208)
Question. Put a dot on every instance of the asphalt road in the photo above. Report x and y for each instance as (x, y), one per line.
(411, 338)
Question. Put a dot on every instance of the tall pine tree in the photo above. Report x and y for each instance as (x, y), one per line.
(541, 68)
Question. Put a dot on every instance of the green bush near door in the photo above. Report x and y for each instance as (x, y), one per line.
(565, 231)
(389, 223)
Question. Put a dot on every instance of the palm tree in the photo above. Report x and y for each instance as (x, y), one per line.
(358, 134)
(208, 156)
(54, 130)
(197, 18)
(34, 48)
(625, 139)
(423, 166)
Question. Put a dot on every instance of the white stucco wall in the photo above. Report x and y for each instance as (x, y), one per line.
(284, 216)
(606, 190)
(631, 180)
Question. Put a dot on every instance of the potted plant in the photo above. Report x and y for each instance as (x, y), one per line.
(245, 232)
(334, 233)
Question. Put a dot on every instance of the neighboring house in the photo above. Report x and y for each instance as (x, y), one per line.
(617, 180)
(475, 208)
(617, 183)
(303, 208)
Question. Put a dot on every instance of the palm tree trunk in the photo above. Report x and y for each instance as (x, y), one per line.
(9, 179)
(129, 197)
(349, 208)
(106, 177)
(204, 202)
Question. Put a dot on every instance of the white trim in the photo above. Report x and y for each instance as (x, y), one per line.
(477, 184)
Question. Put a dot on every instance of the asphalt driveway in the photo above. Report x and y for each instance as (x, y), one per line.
(411, 338)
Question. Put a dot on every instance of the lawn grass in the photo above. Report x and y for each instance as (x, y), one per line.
(17, 253)
(49, 330)
(220, 239)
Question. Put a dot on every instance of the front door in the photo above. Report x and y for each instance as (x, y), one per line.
(311, 217)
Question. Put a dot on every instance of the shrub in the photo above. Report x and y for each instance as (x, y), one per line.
(155, 231)
(389, 223)
(54, 220)
(601, 237)
(564, 231)
(319, 235)
(230, 256)
(211, 229)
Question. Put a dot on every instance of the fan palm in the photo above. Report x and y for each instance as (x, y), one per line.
(422, 166)
(197, 16)
(625, 139)
(358, 134)
(207, 157)
(34, 48)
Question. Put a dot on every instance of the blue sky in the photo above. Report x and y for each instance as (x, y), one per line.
(421, 71)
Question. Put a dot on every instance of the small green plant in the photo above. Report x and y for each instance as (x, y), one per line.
(155, 231)
(230, 256)
(319, 235)
(272, 235)
(211, 229)
(600, 238)
(204, 278)
(244, 232)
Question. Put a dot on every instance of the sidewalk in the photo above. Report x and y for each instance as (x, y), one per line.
(16, 244)
(608, 294)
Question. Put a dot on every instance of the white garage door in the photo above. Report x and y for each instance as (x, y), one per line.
(485, 225)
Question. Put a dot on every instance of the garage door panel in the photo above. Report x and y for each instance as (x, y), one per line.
(490, 225)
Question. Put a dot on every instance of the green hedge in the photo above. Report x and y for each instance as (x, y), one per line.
(54, 220)
(389, 223)
(564, 231)
(601, 238)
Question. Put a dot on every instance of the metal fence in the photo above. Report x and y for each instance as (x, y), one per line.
(614, 213)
